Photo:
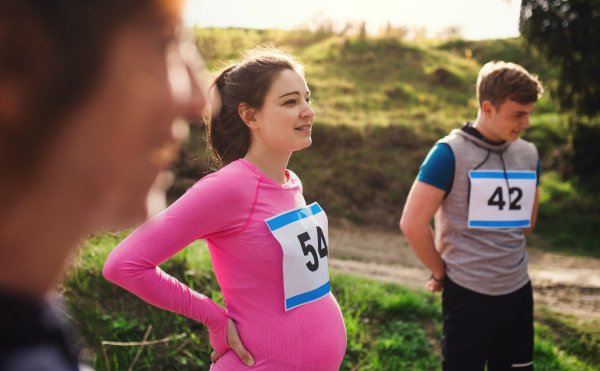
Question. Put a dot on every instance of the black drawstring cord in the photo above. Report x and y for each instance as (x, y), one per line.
(505, 177)
(486, 158)
(477, 167)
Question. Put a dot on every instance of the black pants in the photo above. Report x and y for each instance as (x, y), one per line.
(480, 328)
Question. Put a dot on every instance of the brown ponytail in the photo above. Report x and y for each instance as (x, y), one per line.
(245, 82)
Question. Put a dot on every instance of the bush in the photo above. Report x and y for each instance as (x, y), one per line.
(586, 151)
(568, 216)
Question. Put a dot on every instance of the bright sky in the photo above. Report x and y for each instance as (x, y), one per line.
(479, 19)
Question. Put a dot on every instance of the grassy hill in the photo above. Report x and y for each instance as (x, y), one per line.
(381, 103)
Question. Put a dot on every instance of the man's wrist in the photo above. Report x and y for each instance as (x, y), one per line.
(435, 279)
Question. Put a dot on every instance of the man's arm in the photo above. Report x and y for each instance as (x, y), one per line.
(421, 205)
(534, 212)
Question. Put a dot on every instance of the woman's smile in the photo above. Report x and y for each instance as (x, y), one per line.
(304, 128)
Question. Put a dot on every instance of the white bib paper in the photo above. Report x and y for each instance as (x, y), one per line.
(493, 205)
(303, 235)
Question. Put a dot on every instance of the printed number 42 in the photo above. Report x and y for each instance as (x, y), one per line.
(498, 200)
(307, 248)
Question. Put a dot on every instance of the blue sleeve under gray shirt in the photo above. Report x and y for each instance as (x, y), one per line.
(438, 168)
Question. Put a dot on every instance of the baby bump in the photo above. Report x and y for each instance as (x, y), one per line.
(310, 337)
(323, 334)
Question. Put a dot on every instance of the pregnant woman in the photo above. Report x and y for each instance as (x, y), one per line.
(269, 250)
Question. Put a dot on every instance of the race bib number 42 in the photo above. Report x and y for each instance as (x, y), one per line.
(500, 200)
(303, 235)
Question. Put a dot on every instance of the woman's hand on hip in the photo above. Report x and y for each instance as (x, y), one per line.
(235, 343)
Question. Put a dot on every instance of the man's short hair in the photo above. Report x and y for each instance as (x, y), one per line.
(498, 81)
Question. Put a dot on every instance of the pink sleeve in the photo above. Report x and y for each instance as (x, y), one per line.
(205, 209)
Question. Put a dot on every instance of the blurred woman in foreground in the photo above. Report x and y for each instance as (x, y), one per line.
(90, 94)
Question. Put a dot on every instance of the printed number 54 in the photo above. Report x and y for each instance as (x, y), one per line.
(307, 248)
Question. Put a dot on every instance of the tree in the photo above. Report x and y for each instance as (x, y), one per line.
(567, 32)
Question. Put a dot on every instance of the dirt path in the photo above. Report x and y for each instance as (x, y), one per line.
(565, 284)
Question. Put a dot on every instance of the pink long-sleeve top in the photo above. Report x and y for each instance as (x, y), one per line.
(228, 209)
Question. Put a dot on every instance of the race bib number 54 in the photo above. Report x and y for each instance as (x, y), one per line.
(303, 235)
(501, 200)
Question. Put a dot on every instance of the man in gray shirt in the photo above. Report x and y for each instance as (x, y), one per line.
(480, 183)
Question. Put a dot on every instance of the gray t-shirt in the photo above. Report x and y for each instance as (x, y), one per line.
(490, 261)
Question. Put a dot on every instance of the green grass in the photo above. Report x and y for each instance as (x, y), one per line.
(572, 336)
(384, 324)
(105, 312)
(381, 319)
(389, 327)
(568, 218)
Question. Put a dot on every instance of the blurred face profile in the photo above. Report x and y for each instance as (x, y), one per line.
(126, 133)
(91, 133)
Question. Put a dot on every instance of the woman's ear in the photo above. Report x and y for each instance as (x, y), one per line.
(248, 114)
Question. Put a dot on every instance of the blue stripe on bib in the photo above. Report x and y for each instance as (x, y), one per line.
(500, 175)
(499, 223)
(308, 296)
(293, 216)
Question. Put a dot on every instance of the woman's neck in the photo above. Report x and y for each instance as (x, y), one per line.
(270, 163)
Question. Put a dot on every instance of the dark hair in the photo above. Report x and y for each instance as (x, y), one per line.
(53, 53)
(498, 81)
(248, 82)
